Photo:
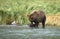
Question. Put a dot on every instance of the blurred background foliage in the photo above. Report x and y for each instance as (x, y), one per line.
(17, 10)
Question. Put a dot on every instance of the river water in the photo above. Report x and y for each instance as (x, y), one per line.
(25, 32)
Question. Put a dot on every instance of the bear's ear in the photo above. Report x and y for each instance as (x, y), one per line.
(35, 12)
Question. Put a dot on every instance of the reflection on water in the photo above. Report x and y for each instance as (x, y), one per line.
(24, 32)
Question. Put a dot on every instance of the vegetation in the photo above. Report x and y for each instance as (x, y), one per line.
(53, 19)
(18, 10)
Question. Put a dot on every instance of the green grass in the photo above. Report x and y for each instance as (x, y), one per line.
(18, 9)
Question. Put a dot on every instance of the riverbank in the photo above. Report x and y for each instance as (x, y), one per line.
(53, 19)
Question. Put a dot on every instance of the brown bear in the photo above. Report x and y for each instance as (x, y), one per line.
(36, 17)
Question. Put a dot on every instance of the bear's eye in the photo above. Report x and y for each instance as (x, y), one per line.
(31, 18)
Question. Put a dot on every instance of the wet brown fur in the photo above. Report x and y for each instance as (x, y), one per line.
(37, 16)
